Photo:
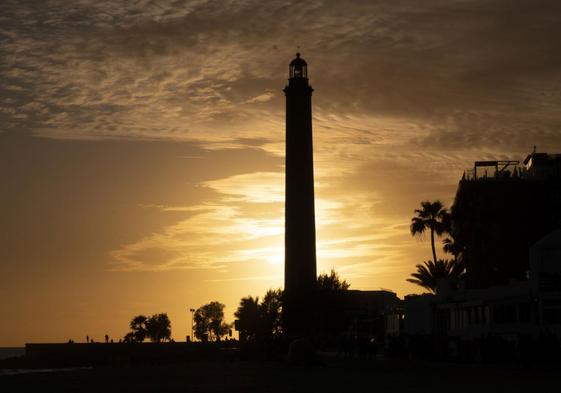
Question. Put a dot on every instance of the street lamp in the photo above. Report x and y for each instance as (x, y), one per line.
(192, 318)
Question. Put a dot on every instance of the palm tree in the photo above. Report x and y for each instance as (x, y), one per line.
(452, 245)
(428, 274)
(249, 318)
(432, 216)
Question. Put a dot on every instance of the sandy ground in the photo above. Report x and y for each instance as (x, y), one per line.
(335, 375)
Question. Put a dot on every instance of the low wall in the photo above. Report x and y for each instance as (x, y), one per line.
(114, 353)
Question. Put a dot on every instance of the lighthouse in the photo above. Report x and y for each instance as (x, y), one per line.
(300, 232)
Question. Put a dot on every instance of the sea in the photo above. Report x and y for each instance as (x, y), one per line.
(11, 352)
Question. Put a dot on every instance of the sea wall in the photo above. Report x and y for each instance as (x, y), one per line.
(117, 353)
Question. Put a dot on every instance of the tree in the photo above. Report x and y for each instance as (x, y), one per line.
(158, 327)
(260, 321)
(453, 246)
(271, 310)
(138, 329)
(432, 216)
(429, 273)
(331, 282)
(249, 318)
(329, 310)
(209, 322)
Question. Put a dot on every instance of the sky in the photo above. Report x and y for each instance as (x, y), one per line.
(142, 143)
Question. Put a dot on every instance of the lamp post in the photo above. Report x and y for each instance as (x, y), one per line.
(192, 319)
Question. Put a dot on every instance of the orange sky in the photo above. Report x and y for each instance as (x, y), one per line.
(141, 144)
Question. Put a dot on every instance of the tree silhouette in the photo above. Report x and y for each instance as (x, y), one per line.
(158, 327)
(330, 307)
(249, 318)
(209, 322)
(429, 272)
(331, 282)
(138, 329)
(455, 247)
(271, 310)
(432, 216)
(260, 321)
(450, 246)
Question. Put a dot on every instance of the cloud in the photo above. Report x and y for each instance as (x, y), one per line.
(406, 96)
(259, 187)
(197, 69)
(249, 278)
(218, 233)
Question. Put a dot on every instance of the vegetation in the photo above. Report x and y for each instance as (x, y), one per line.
(138, 329)
(271, 309)
(432, 216)
(331, 282)
(260, 321)
(249, 318)
(157, 328)
(209, 322)
(456, 248)
(429, 273)
(330, 315)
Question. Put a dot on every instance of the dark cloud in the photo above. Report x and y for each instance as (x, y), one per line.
(463, 71)
(109, 66)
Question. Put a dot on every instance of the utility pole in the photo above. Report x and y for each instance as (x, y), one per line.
(192, 322)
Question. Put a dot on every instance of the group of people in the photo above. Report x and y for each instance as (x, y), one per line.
(92, 341)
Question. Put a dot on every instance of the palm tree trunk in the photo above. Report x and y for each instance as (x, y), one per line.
(432, 244)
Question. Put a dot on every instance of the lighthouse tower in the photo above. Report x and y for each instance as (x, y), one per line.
(300, 232)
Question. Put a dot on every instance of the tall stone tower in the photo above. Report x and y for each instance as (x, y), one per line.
(300, 230)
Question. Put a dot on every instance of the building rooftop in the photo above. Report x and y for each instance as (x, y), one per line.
(535, 166)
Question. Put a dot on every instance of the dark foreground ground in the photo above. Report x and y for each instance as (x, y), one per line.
(336, 375)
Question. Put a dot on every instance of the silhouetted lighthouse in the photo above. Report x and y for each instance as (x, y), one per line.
(300, 229)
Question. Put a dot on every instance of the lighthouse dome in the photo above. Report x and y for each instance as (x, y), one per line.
(298, 68)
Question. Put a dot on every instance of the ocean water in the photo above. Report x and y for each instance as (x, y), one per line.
(40, 370)
(16, 352)
(11, 352)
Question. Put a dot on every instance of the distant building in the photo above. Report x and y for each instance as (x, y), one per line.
(500, 208)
